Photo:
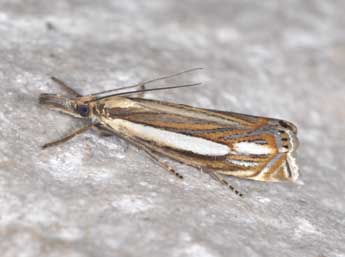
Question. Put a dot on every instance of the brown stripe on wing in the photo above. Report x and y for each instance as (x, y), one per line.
(167, 121)
(275, 169)
(181, 124)
(245, 121)
(270, 174)
(154, 113)
(176, 123)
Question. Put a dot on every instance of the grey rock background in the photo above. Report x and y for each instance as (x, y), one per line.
(96, 196)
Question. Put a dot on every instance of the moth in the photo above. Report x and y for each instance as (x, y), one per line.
(221, 143)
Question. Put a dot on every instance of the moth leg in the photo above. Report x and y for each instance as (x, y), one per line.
(154, 157)
(163, 164)
(68, 137)
(222, 180)
(65, 87)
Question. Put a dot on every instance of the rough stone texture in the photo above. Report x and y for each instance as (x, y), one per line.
(96, 196)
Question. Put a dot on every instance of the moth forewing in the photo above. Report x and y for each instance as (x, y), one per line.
(229, 143)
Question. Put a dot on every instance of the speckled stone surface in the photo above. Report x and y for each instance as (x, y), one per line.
(96, 196)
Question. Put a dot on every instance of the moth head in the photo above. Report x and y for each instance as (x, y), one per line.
(78, 107)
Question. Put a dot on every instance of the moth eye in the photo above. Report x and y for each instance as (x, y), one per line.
(83, 109)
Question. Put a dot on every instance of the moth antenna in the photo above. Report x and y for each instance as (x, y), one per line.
(145, 82)
(144, 90)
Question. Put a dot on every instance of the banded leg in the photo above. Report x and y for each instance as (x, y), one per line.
(163, 164)
(155, 157)
(65, 87)
(222, 180)
(68, 137)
